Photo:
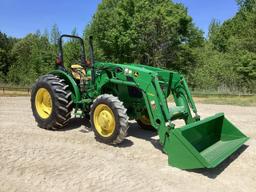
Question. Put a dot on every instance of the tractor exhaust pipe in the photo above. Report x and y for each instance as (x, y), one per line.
(92, 58)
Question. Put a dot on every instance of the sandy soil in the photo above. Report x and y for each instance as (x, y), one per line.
(33, 159)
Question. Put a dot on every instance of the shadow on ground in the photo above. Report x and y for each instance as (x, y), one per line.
(215, 172)
(125, 143)
(76, 123)
(85, 125)
(148, 135)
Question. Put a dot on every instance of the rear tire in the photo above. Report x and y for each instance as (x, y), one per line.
(109, 119)
(57, 113)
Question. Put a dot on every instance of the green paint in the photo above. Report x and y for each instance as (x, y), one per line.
(205, 143)
(144, 91)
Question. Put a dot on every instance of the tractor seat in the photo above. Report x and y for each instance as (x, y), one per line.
(78, 71)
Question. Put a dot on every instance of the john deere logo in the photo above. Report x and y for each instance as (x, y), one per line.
(136, 74)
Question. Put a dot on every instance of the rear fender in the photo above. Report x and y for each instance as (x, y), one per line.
(76, 96)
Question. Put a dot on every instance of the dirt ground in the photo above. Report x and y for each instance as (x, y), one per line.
(33, 159)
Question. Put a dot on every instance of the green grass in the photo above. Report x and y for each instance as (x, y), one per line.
(219, 99)
(9, 90)
(227, 100)
(14, 93)
(222, 99)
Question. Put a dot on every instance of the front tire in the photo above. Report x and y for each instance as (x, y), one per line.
(109, 119)
(51, 102)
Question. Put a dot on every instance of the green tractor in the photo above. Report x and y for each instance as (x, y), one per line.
(111, 94)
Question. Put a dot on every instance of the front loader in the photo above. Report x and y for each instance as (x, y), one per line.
(111, 94)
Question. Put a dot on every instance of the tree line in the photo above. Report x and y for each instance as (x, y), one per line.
(152, 32)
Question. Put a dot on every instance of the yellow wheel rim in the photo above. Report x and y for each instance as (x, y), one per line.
(43, 103)
(104, 120)
(145, 120)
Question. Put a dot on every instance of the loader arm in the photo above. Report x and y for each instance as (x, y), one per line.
(198, 144)
(157, 105)
(155, 99)
(183, 98)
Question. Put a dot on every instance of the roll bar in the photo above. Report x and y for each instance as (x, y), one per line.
(82, 52)
(82, 49)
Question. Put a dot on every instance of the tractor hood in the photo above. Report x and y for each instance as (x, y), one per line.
(133, 67)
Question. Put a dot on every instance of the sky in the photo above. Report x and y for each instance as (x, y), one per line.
(204, 11)
(20, 17)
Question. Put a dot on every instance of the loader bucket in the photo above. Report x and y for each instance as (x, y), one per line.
(205, 143)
